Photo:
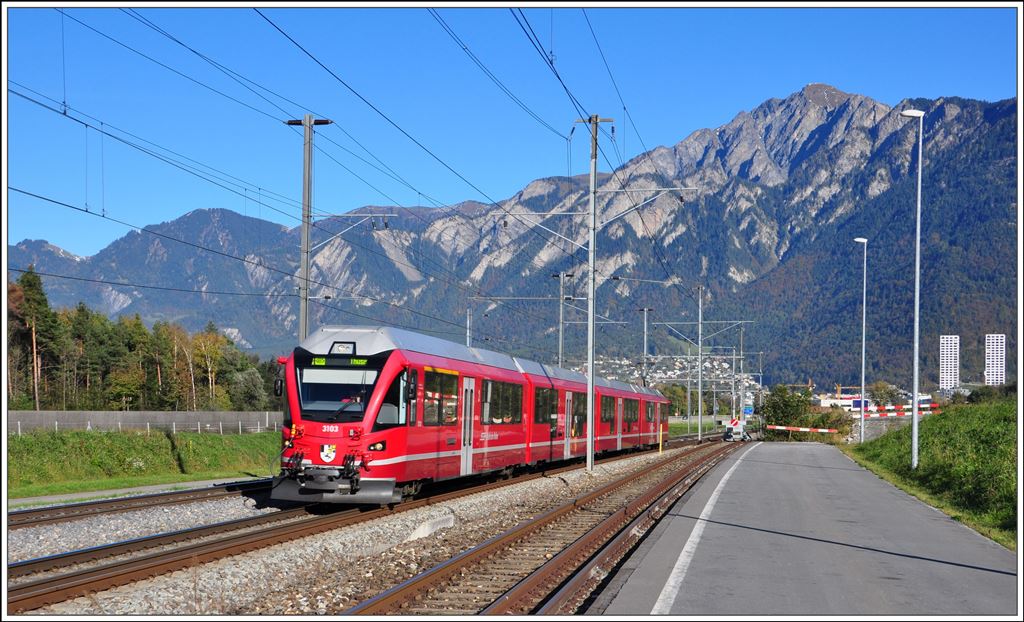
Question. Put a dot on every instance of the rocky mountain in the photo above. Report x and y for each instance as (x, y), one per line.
(780, 193)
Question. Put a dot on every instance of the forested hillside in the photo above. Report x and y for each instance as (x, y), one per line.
(78, 359)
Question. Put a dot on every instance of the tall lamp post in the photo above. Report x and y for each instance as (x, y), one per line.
(863, 333)
(919, 115)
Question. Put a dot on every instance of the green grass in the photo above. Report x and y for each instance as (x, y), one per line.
(47, 463)
(679, 429)
(967, 465)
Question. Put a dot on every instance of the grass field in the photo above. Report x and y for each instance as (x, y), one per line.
(967, 465)
(46, 463)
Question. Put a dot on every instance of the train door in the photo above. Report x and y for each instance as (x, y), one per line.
(618, 423)
(567, 429)
(468, 399)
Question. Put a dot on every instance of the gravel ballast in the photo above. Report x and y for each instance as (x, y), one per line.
(329, 573)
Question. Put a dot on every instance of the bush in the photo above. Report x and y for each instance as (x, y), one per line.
(967, 456)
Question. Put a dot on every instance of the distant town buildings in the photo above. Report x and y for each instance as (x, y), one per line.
(995, 359)
(949, 361)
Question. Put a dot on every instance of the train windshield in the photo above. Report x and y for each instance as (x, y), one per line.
(335, 394)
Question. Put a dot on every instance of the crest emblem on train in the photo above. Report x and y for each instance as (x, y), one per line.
(327, 452)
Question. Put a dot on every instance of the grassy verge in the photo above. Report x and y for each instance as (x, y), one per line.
(967, 465)
(48, 463)
(679, 429)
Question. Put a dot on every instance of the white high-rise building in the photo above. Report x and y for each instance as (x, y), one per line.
(949, 361)
(995, 359)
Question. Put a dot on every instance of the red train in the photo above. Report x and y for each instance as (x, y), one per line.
(372, 413)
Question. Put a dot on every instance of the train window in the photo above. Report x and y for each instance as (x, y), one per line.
(440, 398)
(607, 408)
(545, 406)
(410, 394)
(650, 411)
(450, 398)
(579, 413)
(334, 394)
(630, 412)
(502, 403)
(393, 408)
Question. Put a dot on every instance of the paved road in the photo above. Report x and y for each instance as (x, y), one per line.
(800, 529)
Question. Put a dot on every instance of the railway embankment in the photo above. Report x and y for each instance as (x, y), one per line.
(967, 465)
(46, 463)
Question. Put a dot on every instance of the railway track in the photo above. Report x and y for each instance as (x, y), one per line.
(518, 571)
(62, 513)
(32, 594)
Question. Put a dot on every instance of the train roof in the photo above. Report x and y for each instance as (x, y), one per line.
(371, 340)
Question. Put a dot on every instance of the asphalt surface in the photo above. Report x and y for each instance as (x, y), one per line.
(800, 529)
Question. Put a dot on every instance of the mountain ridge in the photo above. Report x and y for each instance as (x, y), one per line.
(776, 186)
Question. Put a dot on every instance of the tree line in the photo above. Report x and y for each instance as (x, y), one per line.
(79, 359)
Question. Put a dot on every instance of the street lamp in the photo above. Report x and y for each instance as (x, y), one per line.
(919, 115)
(863, 333)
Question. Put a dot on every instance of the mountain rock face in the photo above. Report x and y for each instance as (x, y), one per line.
(780, 193)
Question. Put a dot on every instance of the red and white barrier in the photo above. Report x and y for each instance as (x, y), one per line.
(902, 414)
(795, 429)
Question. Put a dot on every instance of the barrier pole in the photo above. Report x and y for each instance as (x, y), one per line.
(174, 428)
(19, 428)
(147, 428)
(239, 426)
(221, 424)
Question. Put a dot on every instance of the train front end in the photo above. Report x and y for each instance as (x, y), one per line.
(333, 395)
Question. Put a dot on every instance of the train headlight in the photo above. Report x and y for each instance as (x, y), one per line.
(379, 446)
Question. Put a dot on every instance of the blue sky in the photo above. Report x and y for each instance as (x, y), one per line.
(677, 69)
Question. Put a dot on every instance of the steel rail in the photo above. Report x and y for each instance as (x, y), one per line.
(418, 587)
(72, 558)
(74, 511)
(58, 588)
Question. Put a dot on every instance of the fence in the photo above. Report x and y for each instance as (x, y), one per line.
(202, 422)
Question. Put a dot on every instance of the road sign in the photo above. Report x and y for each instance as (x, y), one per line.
(748, 410)
(734, 423)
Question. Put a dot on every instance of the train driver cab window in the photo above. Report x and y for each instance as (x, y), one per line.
(393, 409)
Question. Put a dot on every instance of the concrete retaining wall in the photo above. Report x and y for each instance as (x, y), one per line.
(206, 422)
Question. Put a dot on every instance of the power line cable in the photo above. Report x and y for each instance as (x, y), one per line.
(401, 129)
(238, 78)
(159, 287)
(465, 48)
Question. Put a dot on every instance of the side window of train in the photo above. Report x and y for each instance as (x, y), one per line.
(545, 406)
(502, 403)
(579, 413)
(411, 385)
(440, 398)
(607, 408)
(650, 411)
(631, 412)
(392, 411)
(449, 398)
(432, 398)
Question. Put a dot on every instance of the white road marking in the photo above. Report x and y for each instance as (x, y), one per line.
(675, 579)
